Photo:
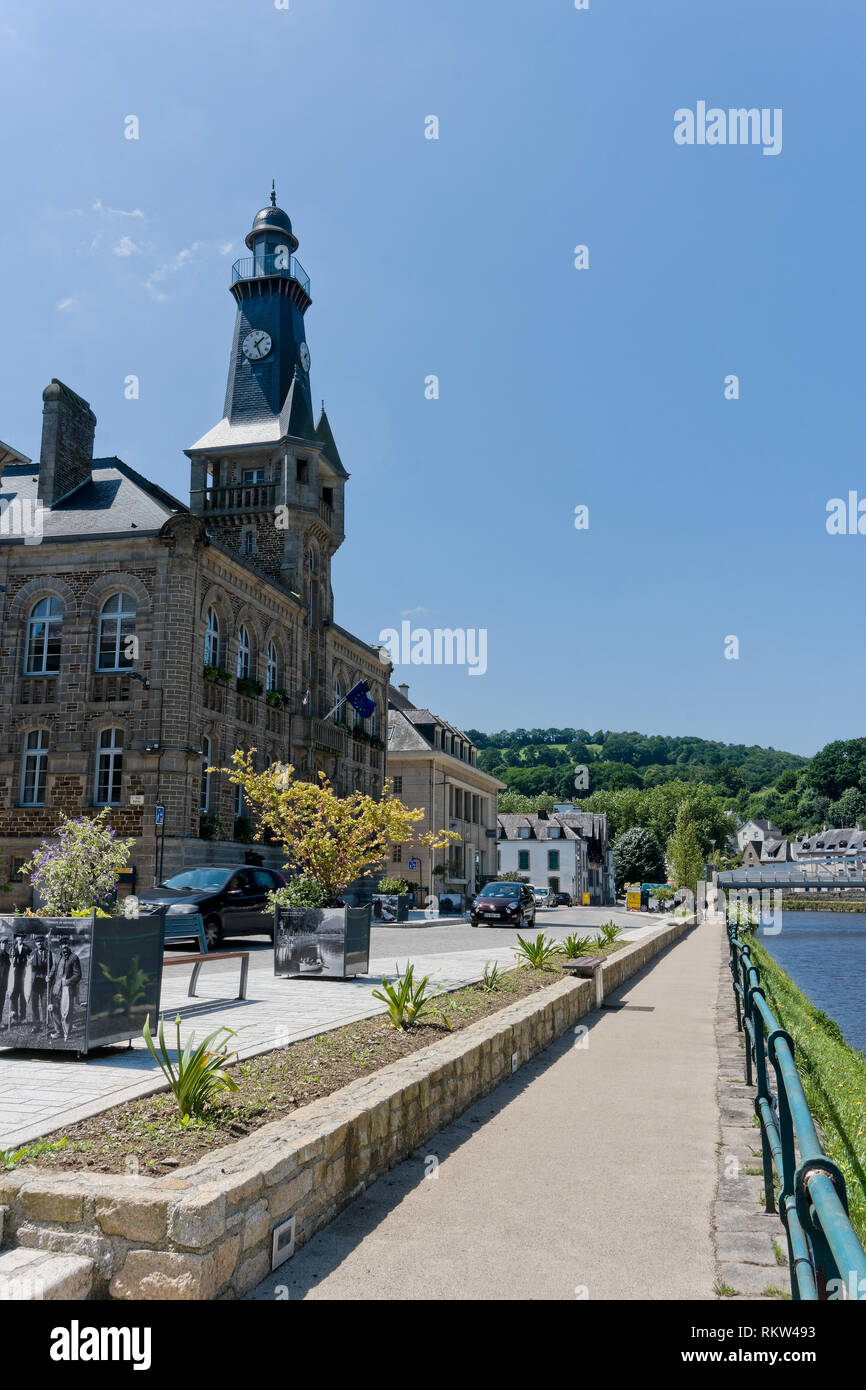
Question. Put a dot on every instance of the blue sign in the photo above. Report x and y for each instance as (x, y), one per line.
(159, 817)
(413, 864)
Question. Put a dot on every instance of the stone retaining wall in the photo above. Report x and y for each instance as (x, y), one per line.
(205, 1231)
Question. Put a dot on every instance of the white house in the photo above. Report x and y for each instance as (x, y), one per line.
(564, 851)
(759, 830)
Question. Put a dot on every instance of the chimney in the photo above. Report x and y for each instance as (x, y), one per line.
(66, 457)
(404, 691)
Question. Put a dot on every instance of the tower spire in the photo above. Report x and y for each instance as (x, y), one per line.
(273, 193)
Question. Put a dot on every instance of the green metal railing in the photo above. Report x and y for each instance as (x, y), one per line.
(825, 1257)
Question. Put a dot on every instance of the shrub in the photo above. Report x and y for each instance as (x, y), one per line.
(80, 870)
(490, 980)
(393, 885)
(609, 933)
(209, 828)
(574, 946)
(198, 1076)
(407, 1001)
(539, 953)
(301, 892)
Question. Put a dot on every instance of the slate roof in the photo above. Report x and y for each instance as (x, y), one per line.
(114, 501)
(574, 825)
(845, 840)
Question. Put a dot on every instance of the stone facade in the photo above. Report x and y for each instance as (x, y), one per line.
(142, 640)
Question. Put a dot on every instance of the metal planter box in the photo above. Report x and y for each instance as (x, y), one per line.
(390, 908)
(70, 984)
(325, 943)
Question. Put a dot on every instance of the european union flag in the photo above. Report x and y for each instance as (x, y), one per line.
(359, 698)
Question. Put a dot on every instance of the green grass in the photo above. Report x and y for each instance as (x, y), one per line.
(833, 1076)
(722, 1290)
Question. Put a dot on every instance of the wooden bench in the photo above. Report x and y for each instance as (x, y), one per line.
(588, 968)
(202, 957)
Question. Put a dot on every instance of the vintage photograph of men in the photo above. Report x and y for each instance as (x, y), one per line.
(44, 974)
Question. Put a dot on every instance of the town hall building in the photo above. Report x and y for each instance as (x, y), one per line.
(142, 639)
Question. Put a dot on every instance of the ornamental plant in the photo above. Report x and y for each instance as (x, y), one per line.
(78, 870)
(329, 840)
(392, 885)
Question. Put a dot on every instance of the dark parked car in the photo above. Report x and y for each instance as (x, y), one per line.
(561, 900)
(232, 901)
(508, 902)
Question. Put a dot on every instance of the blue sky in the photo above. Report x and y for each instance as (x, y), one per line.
(454, 257)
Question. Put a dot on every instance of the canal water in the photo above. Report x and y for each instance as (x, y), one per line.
(825, 955)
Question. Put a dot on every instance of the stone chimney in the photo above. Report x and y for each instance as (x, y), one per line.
(66, 457)
(404, 690)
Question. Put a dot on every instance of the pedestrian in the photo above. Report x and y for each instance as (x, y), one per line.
(5, 964)
(38, 983)
(18, 1003)
(69, 978)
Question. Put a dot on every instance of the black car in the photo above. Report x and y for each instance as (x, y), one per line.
(510, 903)
(561, 900)
(232, 901)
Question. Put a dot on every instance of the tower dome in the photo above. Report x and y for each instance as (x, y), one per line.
(271, 220)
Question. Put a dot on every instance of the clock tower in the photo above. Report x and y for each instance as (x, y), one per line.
(268, 478)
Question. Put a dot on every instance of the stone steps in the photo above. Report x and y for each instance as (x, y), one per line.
(35, 1275)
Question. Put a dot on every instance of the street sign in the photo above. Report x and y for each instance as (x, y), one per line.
(159, 817)
(413, 864)
(632, 901)
(136, 801)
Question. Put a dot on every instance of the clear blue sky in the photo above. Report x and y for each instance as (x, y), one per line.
(454, 257)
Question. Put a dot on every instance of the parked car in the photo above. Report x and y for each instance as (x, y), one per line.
(508, 902)
(562, 900)
(542, 897)
(232, 901)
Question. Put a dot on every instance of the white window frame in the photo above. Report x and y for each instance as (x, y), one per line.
(109, 755)
(115, 612)
(34, 758)
(273, 667)
(40, 627)
(212, 638)
(245, 653)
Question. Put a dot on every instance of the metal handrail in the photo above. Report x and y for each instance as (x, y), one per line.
(252, 267)
(813, 1201)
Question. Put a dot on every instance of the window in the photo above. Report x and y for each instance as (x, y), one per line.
(250, 543)
(244, 654)
(109, 767)
(338, 696)
(33, 768)
(553, 859)
(373, 724)
(523, 859)
(303, 471)
(206, 760)
(553, 885)
(273, 668)
(398, 786)
(254, 475)
(238, 802)
(212, 638)
(397, 854)
(43, 637)
(524, 832)
(116, 633)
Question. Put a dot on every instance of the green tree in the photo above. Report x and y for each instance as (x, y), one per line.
(684, 851)
(638, 858)
(849, 810)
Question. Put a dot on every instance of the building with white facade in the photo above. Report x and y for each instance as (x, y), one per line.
(565, 851)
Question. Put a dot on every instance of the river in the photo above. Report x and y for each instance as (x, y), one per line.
(825, 955)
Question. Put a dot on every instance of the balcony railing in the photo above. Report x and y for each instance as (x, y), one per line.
(240, 497)
(254, 267)
(326, 512)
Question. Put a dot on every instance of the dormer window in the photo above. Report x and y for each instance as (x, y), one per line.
(553, 832)
(303, 471)
(524, 832)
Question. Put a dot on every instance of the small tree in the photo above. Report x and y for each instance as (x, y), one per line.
(78, 871)
(637, 857)
(684, 851)
(329, 840)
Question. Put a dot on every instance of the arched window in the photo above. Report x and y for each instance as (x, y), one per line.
(206, 760)
(116, 648)
(273, 668)
(34, 766)
(109, 767)
(212, 638)
(244, 654)
(338, 698)
(43, 637)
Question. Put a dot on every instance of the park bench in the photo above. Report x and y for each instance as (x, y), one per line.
(186, 928)
(202, 957)
(588, 968)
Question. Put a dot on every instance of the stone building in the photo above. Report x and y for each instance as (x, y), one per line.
(434, 766)
(142, 640)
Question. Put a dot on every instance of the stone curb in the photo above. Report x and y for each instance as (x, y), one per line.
(207, 1231)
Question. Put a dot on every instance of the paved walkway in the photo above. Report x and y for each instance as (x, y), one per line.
(589, 1174)
(45, 1092)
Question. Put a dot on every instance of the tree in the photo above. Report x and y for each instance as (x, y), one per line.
(684, 851)
(849, 810)
(78, 872)
(839, 765)
(514, 803)
(330, 840)
(638, 858)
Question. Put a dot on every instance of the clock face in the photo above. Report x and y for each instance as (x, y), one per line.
(305, 357)
(256, 345)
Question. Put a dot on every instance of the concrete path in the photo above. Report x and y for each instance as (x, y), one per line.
(589, 1174)
(45, 1092)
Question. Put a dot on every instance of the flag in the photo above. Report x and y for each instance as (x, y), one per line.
(306, 699)
(359, 698)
